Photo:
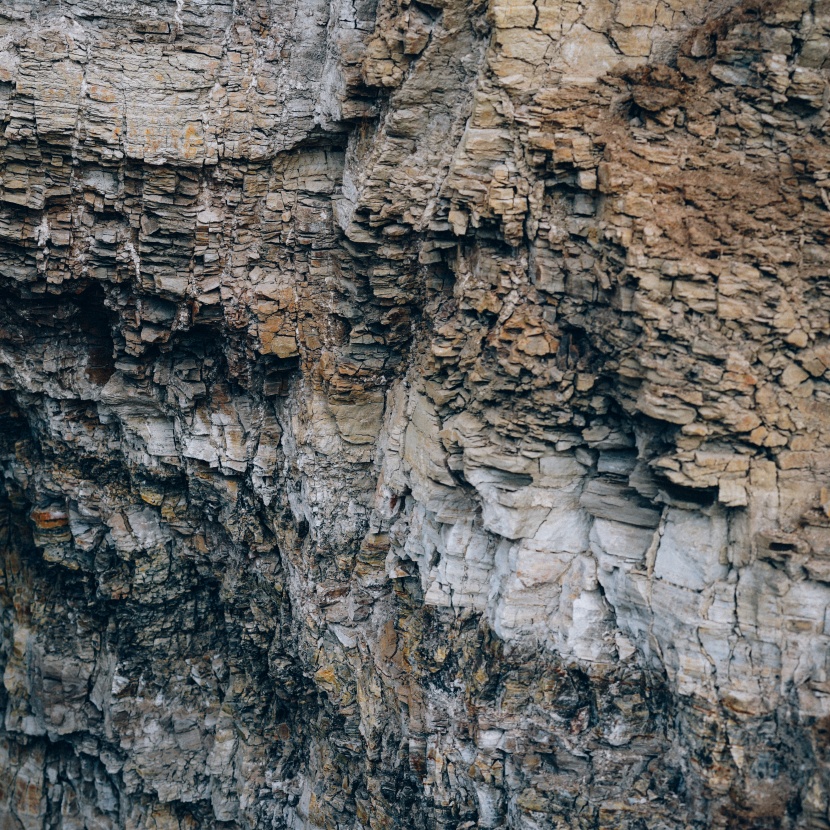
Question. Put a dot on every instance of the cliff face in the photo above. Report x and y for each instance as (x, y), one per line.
(414, 414)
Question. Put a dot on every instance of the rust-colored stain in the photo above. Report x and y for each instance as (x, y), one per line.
(49, 518)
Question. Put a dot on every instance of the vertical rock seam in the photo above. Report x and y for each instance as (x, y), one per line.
(414, 414)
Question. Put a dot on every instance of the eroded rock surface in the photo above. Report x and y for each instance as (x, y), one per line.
(414, 414)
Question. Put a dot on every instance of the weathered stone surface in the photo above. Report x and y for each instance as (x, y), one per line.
(414, 415)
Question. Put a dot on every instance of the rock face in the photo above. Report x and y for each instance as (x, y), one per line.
(414, 414)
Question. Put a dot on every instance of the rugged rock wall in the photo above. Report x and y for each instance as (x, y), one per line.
(415, 415)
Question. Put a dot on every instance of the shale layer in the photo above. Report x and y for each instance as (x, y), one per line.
(414, 414)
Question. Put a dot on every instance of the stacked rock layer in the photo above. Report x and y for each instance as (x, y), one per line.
(414, 414)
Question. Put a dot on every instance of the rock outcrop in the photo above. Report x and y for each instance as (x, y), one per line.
(414, 414)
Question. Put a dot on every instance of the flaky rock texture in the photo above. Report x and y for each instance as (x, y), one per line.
(414, 414)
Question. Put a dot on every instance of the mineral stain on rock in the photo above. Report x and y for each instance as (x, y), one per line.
(414, 414)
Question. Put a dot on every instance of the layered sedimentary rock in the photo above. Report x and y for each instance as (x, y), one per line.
(414, 414)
